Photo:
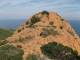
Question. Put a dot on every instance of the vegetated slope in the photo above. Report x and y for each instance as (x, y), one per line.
(57, 51)
(4, 33)
(9, 52)
(43, 28)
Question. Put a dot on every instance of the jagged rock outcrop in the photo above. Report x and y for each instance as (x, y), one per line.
(42, 28)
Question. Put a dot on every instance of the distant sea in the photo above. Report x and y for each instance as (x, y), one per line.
(13, 24)
(76, 25)
(10, 24)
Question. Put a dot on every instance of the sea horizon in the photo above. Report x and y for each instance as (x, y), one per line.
(13, 24)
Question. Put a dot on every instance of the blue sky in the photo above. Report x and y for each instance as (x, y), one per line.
(21, 9)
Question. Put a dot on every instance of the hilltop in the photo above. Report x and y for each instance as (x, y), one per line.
(43, 28)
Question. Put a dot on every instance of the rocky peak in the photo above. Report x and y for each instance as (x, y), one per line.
(42, 28)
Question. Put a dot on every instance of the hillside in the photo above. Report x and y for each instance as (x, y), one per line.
(4, 33)
(44, 28)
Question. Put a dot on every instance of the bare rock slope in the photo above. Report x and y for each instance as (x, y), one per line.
(42, 28)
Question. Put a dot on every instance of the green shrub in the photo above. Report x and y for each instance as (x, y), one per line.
(62, 19)
(49, 31)
(9, 52)
(26, 39)
(2, 42)
(52, 31)
(61, 27)
(59, 52)
(27, 22)
(71, 33)
(21, 40)
(19, 30)
(51, 23)
(34, 20)
(45, 13)
(32, 57)
(44, 34)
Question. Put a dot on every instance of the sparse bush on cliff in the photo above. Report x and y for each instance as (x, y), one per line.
(51, 23)
(25, 39)
(36, 57)
(48, 31)
(71, 33)
(59, 52)
(62, 19)
(44, 34)
(32, 57)
(45, 13)
(27, 23)
(9, 52)
(52, 31)
(19, 30)
(34, 20)
(61, 27)
(21, 40)
(2, 42)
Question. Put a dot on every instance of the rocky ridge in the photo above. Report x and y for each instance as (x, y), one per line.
(42, 28)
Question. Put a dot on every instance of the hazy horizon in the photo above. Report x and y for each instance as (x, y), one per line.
(13, 24)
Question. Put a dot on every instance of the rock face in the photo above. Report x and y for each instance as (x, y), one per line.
(42, 28)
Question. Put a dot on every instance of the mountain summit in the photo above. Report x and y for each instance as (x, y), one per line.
(43, 28)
